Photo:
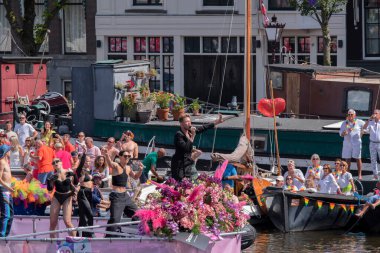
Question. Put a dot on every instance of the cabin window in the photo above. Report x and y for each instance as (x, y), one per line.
(218, 2)
(372, 28)
(210, 44)
(280, 5)
(24, 68)
(276, 78)
(359, 100)
(147, 2)
(74, 27)
(260, 143)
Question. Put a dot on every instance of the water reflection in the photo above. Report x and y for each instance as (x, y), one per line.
(321, 241)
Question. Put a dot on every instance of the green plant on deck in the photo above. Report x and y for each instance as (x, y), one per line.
(179, 102)
(195, 105)
(129, 101)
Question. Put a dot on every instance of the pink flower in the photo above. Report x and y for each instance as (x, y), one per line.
(160, 222)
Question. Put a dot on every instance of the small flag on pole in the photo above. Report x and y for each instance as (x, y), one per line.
(319, 203)
(332, 206)
(306, 200)
(344, 207)
(352, 208)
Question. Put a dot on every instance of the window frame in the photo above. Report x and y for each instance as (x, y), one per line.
(366, 55)
(149, 3)
(345, 99)
(64, 29)
(219, 4)
(271, 7)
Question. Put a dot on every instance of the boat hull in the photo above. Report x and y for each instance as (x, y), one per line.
(370, 222)
(289, 213)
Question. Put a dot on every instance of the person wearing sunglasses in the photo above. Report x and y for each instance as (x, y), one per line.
(120, 200)
(295, 174)
(328, 184)
(372, 126)
(289, 184)
(80, 143)
(345, 179)
(111, 149)
(24, 130)
(64, 183)
(315, 171)
(351, 130)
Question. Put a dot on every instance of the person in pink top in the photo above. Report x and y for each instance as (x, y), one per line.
(63, 155)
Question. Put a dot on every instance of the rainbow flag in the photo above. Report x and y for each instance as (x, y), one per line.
(319, 203)
(344, 207)
(332, 206)
(306, 200)
(352, 208)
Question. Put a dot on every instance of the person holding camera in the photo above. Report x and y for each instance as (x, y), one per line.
(182, 161)
(372, 126)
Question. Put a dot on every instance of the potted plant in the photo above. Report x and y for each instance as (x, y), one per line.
(163, 99)
(139, 74)
(179, 104)
(195, 106)
(129, 105)
(144, 92)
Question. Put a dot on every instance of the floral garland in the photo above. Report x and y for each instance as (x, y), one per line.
(348, 125)
(200, 207)
(29, 192)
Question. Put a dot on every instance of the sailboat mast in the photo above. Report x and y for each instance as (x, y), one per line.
(247, 56)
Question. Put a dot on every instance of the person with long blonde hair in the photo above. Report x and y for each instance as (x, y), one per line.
(16, 153)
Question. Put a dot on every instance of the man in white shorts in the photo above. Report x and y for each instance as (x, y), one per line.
(351, 131)
(373, 127)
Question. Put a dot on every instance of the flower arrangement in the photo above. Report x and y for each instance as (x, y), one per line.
(128, 85)
(144, 91)
(179, 102)
(163, 99)
(200, 207)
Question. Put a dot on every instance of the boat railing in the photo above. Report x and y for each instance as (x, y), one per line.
(358, 183)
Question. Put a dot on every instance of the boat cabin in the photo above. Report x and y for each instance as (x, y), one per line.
(325, 91)
(22, 79)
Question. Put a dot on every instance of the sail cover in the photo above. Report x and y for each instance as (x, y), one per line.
(242, 154)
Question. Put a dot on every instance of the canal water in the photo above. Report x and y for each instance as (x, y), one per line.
(321, 241)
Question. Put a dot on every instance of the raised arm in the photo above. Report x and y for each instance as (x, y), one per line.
(114, 166)
(134, 175)
(81, 164)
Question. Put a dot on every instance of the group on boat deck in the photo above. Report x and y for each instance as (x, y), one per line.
(318, 178)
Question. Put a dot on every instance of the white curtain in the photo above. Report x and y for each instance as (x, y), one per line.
(5, 31)
(75, 28)
(39, 20)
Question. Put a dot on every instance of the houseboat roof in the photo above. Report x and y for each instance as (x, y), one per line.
(16, 59)
(312, 68)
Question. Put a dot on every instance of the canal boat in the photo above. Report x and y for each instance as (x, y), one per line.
(306, 211)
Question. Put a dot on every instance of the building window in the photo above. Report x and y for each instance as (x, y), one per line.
(192, 45)
(161, 58)
(333, 51)
(359, 100)
(218, 2)
(68, 91)
(303, 45)
(372, 27)
(74, 27)
(280, 5)
(117, 44)
(147, 2)
(24, 68)
(5, 31)
(290, 44)
(231, 43)
(242, 45)
(210, 44)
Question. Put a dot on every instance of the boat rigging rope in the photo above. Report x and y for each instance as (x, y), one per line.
(45, 43)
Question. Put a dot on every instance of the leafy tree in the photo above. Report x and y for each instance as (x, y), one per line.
(27, 35)
(321, 11)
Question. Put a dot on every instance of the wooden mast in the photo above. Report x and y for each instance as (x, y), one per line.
(248, 43)
(275, 130)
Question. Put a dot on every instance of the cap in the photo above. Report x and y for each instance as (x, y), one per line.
(96, 175)
(4, 149)
(74, 153)
(280, 178)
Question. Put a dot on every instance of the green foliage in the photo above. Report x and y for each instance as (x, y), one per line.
(129, 101)
(195, 105)
(162, 99)
(179, 102)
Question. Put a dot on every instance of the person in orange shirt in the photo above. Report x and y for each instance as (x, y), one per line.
(44, 157)
(66, 141)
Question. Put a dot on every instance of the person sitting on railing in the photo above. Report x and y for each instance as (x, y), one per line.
(345, 179)
(328, 184)
(372, 202)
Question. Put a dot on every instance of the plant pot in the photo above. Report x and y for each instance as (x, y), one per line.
(196, 112)
(163, 114)
(177, 113)
(130, 112)
(143, 116)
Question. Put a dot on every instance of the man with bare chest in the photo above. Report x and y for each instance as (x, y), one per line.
(127, 144)
(6, 201)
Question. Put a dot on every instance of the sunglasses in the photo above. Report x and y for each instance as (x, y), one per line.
(315, 159)
(289, 178)
(342, 166)
(27, 140)
(22, 118)
(110, 141)
(337, 163)
(350, 114)
(56, 162)
(127, 156)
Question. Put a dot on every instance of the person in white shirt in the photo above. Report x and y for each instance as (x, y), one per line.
(314, 172)
(296, 175)
(328, 184)
(8, 130)
(351, 131)
(345, 179)
(92, 150)
(24, 130)
(372, 126)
